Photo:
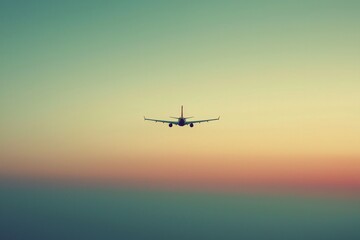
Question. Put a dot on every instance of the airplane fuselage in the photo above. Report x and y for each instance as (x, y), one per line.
(182, 122)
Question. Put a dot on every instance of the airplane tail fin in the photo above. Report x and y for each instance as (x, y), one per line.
(182, 112)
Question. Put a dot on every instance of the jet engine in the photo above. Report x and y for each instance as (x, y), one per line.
(191, 124)
(170, 124)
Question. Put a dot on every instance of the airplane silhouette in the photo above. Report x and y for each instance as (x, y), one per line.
(181, 121)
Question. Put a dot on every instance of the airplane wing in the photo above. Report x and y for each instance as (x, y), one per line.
(162, 121)
(205, 120)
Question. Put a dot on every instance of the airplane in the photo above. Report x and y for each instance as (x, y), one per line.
(181, 121)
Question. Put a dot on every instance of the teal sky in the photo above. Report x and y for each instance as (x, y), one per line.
(76, 78)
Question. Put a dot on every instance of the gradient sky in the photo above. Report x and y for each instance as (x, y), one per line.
(76, 78)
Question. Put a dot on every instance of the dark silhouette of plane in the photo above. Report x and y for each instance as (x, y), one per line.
(181, 121)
